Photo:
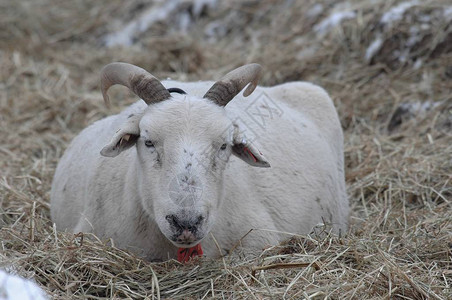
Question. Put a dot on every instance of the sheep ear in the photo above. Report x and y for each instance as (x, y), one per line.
(124, 138)
(249, 154)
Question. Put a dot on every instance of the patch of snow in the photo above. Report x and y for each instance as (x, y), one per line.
(13, 287)
(151, 15)
(403, 57)
(414, 37)
(333, 20)
(160, 11)
(425, 18)
(419, 107)
(315, 11)
(425, 26)
(396, 13)
(410, 110)
(373, 48)
(184, 21)
(447, 13)
(417, 64)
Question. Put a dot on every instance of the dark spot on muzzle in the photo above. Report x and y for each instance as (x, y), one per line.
(190, 224)
(183, 228)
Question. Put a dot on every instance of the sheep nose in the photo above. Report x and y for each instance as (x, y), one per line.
(186, 224)
(187, 237)
(185, 230)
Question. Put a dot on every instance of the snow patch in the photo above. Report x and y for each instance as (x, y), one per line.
(161, 11)
(13, 287)
(414, 36)
(333, 20)
(419, 107)
(417, 64)
(447, 13)
(373, 48)
(396, 13)
(402, 55)
(151, 15)
(411, 110)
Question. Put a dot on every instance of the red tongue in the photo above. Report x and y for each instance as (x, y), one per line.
(185, 254)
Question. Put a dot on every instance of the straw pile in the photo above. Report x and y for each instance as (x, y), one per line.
(386, 64)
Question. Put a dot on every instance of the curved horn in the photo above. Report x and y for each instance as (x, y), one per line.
(138, 80)
(232, 83)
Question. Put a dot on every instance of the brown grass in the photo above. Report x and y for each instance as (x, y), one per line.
(399, 180)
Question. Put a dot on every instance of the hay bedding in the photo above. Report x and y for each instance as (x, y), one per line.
(398, 159)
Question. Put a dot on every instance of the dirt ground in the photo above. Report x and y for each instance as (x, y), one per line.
(386, 64)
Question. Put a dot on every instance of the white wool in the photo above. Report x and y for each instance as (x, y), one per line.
(13, 287)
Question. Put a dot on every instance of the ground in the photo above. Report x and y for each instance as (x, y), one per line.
(386, 64)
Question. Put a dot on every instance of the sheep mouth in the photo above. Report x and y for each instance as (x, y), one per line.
(183, 244)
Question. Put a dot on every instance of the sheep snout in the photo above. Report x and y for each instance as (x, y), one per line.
(185, 231)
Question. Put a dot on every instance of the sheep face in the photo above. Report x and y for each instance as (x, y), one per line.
(183, 146)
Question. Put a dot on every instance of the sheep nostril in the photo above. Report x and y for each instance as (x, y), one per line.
(191, 224)
(199, 220)
(172, 219)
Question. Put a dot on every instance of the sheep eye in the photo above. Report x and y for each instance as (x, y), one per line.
(149, 143)
(223, 146)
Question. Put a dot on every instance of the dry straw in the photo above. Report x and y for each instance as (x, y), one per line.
(395, 105)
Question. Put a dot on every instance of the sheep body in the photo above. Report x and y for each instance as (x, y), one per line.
(294, 124)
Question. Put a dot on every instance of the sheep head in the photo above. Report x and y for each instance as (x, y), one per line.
(183, 145)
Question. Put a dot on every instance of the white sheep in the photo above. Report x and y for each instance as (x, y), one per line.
(13, 287)
(179, 187)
